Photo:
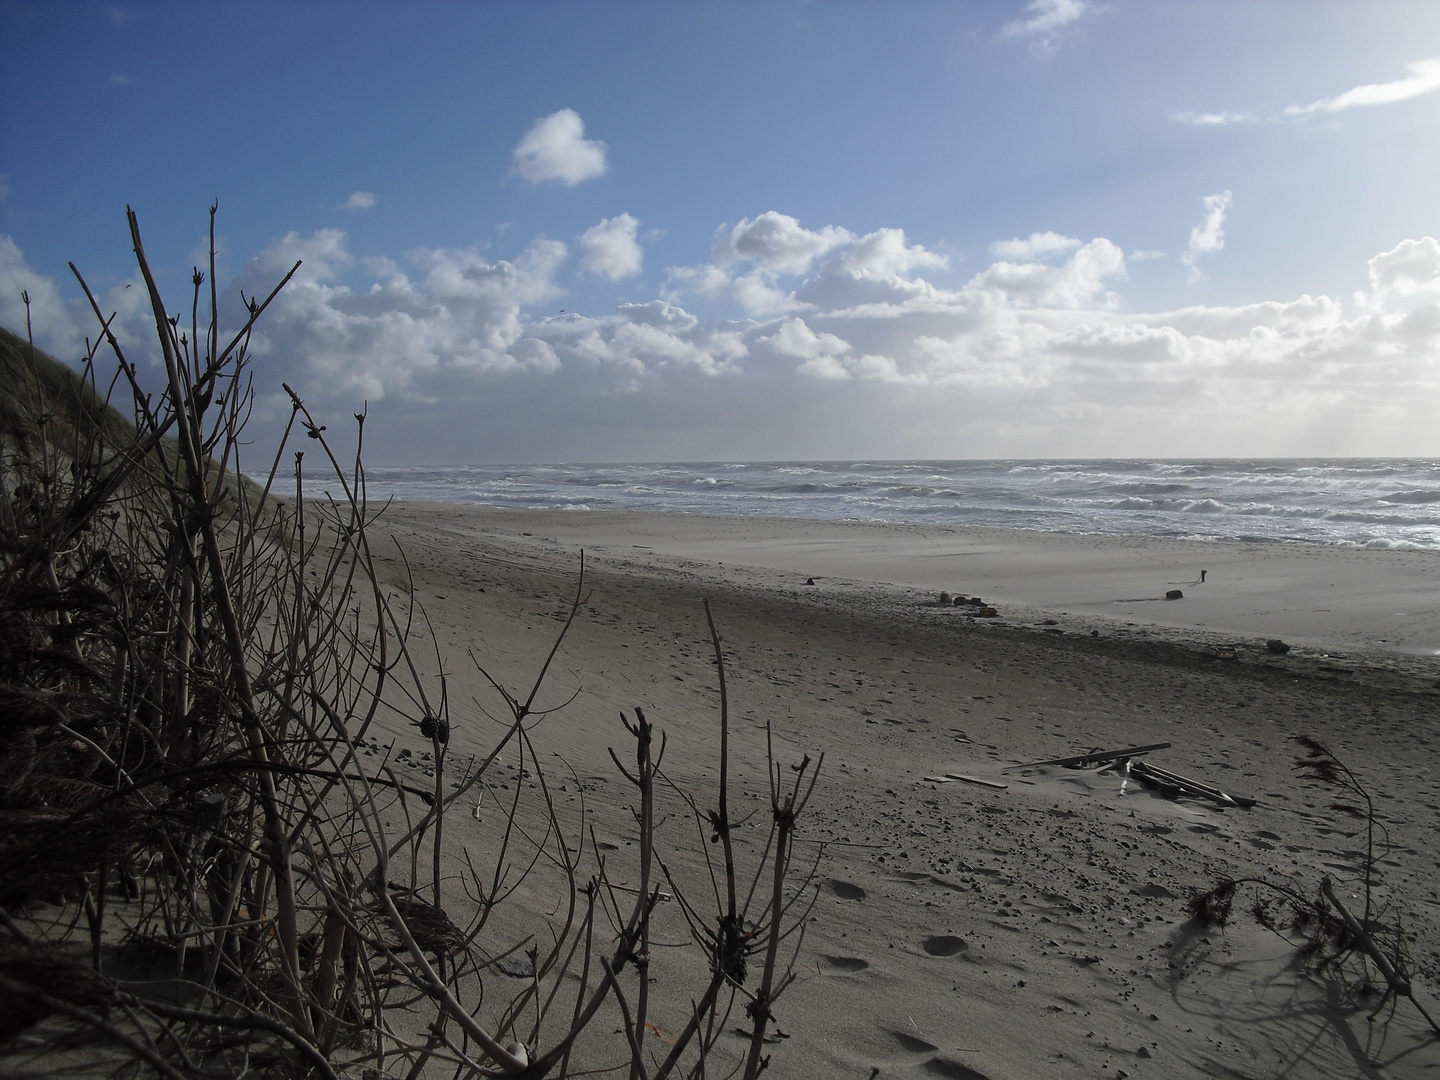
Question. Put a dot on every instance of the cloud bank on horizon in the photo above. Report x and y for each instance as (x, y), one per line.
(1036, 349)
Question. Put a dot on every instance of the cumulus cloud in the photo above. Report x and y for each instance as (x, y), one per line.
(777, 242)
(610, 248)
(1411, 269)
(1080, 282)
(1421, 77)
(752, 258)
(1036, 246)
(1209, 235)
(60, 325)
(1042, 22)
(555, 148)
(359, 200)
(863, 355)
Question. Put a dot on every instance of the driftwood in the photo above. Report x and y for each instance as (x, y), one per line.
(1144, 771)
(1399, 984)
(1095, 757)
(976, 780)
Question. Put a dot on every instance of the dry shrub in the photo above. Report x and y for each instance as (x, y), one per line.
(204, 864)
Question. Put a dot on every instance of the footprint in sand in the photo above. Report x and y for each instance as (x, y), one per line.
(952, 1070)
(846, 964)
(846, 891)
(943, 945)
(913, 1044)
(935, 1066)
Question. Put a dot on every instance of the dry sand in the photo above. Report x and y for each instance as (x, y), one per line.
(969, 931)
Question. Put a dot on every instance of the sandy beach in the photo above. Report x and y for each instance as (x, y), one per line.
(1032, 925)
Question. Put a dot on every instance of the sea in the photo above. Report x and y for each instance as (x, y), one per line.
(1369, 502)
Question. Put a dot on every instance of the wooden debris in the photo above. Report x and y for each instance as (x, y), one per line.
(1095, 757)
(1144, 771)
(939, 779)
(1398, 982)
(977, 780)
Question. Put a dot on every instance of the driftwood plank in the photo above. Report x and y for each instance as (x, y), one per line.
(1144, 770)
(977, 780)
(1095, 756)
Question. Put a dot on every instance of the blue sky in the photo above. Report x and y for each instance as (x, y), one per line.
(556, 231)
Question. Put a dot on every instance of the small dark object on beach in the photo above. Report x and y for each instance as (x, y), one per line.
(1174, 594)
(1275, 645)
(961, 601)
(1094, 633)
(987, 613)
(810, 581)
(945, 599)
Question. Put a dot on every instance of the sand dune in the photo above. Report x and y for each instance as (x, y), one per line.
(963, 929)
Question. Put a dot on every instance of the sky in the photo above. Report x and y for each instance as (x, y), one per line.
(587, 231)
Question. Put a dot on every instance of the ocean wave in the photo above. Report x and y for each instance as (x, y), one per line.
(1351, 502)
(1414, 498)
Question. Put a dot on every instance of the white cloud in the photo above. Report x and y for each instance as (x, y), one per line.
(460, 312)
(1411, 269)
(359, 200)
(1209, 235)
(1036, 246)
(777, 242)
(1215, 119)
(1042, 23)
(775, 245)
(884, 255)
(1421, 77)
(755, 293)
(48, 315)
(61, 326)
(555, 148)
(1076, 284)
(610, 248)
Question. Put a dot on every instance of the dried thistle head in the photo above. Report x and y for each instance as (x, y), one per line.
(1260, 910)
(1213, 908)
(730, 949)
